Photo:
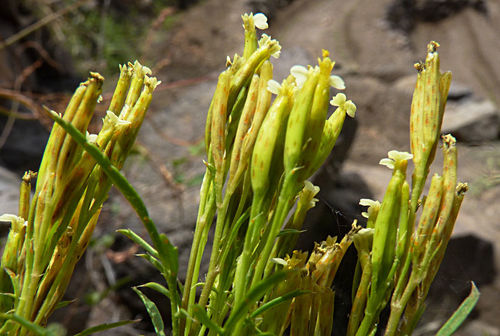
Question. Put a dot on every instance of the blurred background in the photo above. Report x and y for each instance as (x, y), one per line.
(48, 46)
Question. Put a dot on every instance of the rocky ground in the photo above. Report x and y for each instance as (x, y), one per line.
(375, 43)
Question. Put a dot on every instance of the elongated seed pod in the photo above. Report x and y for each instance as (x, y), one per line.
(120, 94)
(244, 124)
(330, 134)
(70, 152)
(272, 126)
(261, 109)
(251, 65)
(57, 136)
(136, 84)
(250, 35)
(386, 227)
(449, 182)
(428, 218)
(297, 123)
(219, 115)
(317, 117)
(404, 229)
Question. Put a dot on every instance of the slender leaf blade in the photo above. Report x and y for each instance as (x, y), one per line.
(105, 326)
(153, 312)
(461, 313)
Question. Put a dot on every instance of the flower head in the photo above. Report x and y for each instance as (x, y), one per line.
(395, 156)
(260, 21)
(371, 204)
(273, 45)
(341, 101)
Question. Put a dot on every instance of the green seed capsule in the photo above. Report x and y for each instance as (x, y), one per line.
(273, 124)
(428, 218)
(297, 123)
(252, 65)
(317, 117)
(244, 124)
(219, 115)
(329, 136)
(250, 35)
(384, 238)
(122, 86)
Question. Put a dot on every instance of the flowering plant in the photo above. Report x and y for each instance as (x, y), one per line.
(261, 151)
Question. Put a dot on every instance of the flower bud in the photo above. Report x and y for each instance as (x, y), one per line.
(264, 149)
(298, 122)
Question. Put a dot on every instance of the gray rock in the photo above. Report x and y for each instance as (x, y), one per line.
(9, 191)
(472, 120)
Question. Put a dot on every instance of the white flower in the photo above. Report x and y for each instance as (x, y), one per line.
(337, 82)
(371, 204)
(341, 101)
(115, 120)
(395, 156)
(279, 261)
(273, 86)
(300, 74)
(274, 45)
(260, 21)
(91, 138)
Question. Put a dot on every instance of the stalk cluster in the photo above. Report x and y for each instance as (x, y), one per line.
(53, 226)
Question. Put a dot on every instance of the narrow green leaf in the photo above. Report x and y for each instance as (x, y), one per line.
(202, 316)
(153, 312)
(35, 328)
(286, 232)
(139, 241)
(65, 303)
(461, 313)
(169, 253)
(255, 294)
(152, 260)
(278, 300)
(157, 287)
(105, 326)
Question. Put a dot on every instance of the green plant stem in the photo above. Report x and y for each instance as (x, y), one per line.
(287, 195)
(194, 262)
(214, 266)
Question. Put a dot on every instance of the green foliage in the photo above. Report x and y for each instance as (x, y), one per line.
(260, 153)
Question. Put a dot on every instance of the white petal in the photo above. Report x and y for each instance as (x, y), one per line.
(260, 21)
(368, 202)
(276, 54)
(300, 74)
(365, 214)
(9, 218)
(400, 156)
(338, 100)
(387, 162)
(264, 39)
(279, 261)
(273, 86)
(350, 108)
(112, 117)
(337, 82)
(91, 138)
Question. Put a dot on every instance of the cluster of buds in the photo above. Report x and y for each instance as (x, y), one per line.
(397, 262)
(311, 312)
(50, 235)
(263, 139)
